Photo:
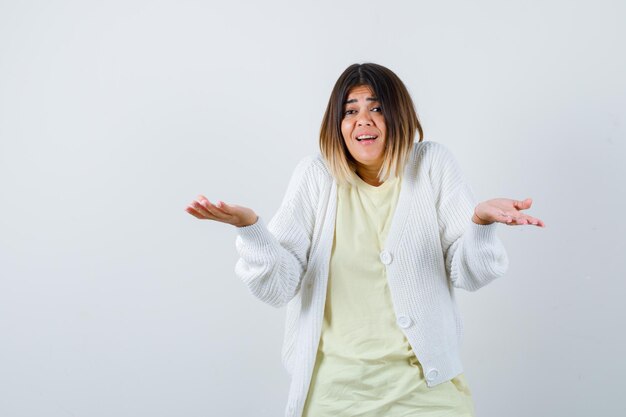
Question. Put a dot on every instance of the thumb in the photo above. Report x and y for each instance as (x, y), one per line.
(524, 204)
(223, 206)
(228, 208)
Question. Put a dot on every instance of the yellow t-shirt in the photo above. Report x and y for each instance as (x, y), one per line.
(365, 366)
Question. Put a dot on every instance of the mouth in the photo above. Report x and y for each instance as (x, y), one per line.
(366, 138)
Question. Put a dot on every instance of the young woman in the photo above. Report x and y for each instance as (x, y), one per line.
(366, 250)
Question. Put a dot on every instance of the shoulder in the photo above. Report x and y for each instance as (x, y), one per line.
(311, 168)
(437, 163)
(308, 178)
(432, 153)
(314, 163)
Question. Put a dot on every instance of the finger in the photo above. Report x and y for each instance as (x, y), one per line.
(200, 208)
(223, 207)
(215, 211)
(208, 205)
(521, 221)
(229, 209)
(195, 213)
(531, 220)
(535, 221)
(505, 218)
(514, 220)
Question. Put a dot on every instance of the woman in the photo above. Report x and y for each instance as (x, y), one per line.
(366, 249)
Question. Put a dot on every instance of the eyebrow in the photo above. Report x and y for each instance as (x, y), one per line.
(354, 100)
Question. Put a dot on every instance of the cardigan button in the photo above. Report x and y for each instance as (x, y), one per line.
(385, 257)
(432, 374)
(404, 321)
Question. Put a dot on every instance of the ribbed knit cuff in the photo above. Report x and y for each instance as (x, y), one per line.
(255, 234)
(492, 256)
(483, 232)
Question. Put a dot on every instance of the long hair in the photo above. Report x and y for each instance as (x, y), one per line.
(397, 109)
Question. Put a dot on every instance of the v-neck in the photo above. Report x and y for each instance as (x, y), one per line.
(404, 204)
(404, 200)
(361, 184)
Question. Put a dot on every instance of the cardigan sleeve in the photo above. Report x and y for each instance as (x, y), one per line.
(473, 254)
(273, 257)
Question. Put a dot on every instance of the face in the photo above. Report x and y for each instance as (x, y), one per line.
(363, 128)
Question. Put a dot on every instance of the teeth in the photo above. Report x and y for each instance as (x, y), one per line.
(365, 137)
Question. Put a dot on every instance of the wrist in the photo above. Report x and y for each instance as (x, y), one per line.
(248, 222)
(480, 221)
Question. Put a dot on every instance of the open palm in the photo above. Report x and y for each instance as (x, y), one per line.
(507, 211)
(239, 216)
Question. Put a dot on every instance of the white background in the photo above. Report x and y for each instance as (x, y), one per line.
(114, 115)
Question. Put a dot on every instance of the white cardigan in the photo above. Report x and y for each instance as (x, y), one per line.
(432, 247)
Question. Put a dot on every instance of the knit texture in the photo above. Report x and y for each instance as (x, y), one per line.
(432, 248)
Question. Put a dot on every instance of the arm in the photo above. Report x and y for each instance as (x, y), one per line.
(473, 254)
(273, 258)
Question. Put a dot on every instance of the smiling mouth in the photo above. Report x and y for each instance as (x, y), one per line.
(366, 137)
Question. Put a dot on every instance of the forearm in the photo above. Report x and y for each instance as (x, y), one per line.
(477, 257)
(270, 268)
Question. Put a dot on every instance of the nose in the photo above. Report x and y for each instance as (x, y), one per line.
(364, 119)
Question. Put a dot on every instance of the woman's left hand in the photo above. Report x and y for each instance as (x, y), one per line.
(505, 210)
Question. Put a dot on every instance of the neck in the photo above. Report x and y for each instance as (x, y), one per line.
(369, 174)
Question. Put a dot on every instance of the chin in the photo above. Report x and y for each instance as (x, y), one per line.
(369, 162)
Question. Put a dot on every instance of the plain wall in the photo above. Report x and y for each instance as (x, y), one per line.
(115, 115)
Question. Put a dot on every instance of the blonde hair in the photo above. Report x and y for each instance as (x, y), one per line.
(400, 119)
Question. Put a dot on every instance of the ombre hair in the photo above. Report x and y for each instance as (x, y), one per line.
(398, 111)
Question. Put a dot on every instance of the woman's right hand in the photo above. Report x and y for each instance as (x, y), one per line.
(238, 216)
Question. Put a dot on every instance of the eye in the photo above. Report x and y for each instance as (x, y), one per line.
(377, 109)
(349, 112)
